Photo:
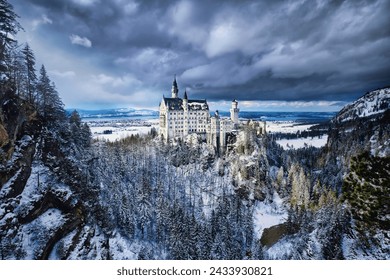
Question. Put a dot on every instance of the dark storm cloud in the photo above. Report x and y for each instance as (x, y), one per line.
(220, 50)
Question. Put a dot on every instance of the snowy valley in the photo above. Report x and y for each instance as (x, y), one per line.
(135, 197)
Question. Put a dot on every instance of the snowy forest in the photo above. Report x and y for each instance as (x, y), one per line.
(65, 196)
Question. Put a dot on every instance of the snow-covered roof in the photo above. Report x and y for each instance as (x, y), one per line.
(198, 104)
(173, 103)
(193, 105)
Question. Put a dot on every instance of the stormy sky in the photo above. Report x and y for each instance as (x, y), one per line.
(270, 55)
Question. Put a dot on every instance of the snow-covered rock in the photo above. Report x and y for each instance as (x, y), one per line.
(372, 103)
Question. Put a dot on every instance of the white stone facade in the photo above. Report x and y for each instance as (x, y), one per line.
(180, 117)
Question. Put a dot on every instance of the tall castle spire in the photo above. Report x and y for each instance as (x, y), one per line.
(185, 102)
(175, 90)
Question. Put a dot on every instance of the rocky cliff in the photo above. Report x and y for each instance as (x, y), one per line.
(39, 204)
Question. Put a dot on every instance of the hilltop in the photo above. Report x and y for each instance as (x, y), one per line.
(369, 105)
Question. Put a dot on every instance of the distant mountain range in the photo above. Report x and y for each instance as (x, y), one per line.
(114, 113)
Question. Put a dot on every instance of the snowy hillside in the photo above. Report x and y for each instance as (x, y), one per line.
(372, 103)
(362, 125)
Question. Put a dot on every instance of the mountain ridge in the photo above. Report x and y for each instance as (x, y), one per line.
(112, 113)
(370, 104)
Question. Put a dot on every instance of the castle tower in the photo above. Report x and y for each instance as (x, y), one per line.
(185, 115)
(234, 112)
(175, 90)
(185, 100)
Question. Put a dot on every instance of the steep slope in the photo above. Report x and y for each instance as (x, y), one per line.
(366, 191)
(357, 162)
(364, 129)
(364, 124)
(371, 104)
(361, 126)
(347, 195)
(366, 118)
(38, 205)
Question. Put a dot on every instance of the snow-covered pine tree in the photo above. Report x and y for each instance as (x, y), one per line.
(30, 79)
(9, 27)
(50, 105)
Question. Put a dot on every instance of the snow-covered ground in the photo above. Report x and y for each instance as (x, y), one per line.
(294, 127)
(286, 126)
(36, 233)
(120, 128)
(266, 215)
(303, 142)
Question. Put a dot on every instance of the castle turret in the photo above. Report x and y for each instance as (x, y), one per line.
(213, 136)
(175, 89)
(234, 112)
(185, 104)
(185, 115)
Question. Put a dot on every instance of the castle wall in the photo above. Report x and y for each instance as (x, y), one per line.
(181, 117)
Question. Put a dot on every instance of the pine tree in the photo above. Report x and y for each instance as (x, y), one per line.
(75, 127)
(86, 135)
(31, 76)
(192, 237)
(177, 235)
(9, 27)
(75, 119)
(204, 243)
(15, 70)
(280, 178)
(219, 250)
(50, 105)
(300, 186)
(144, 208)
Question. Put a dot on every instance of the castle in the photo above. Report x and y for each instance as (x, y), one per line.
(182, 117)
